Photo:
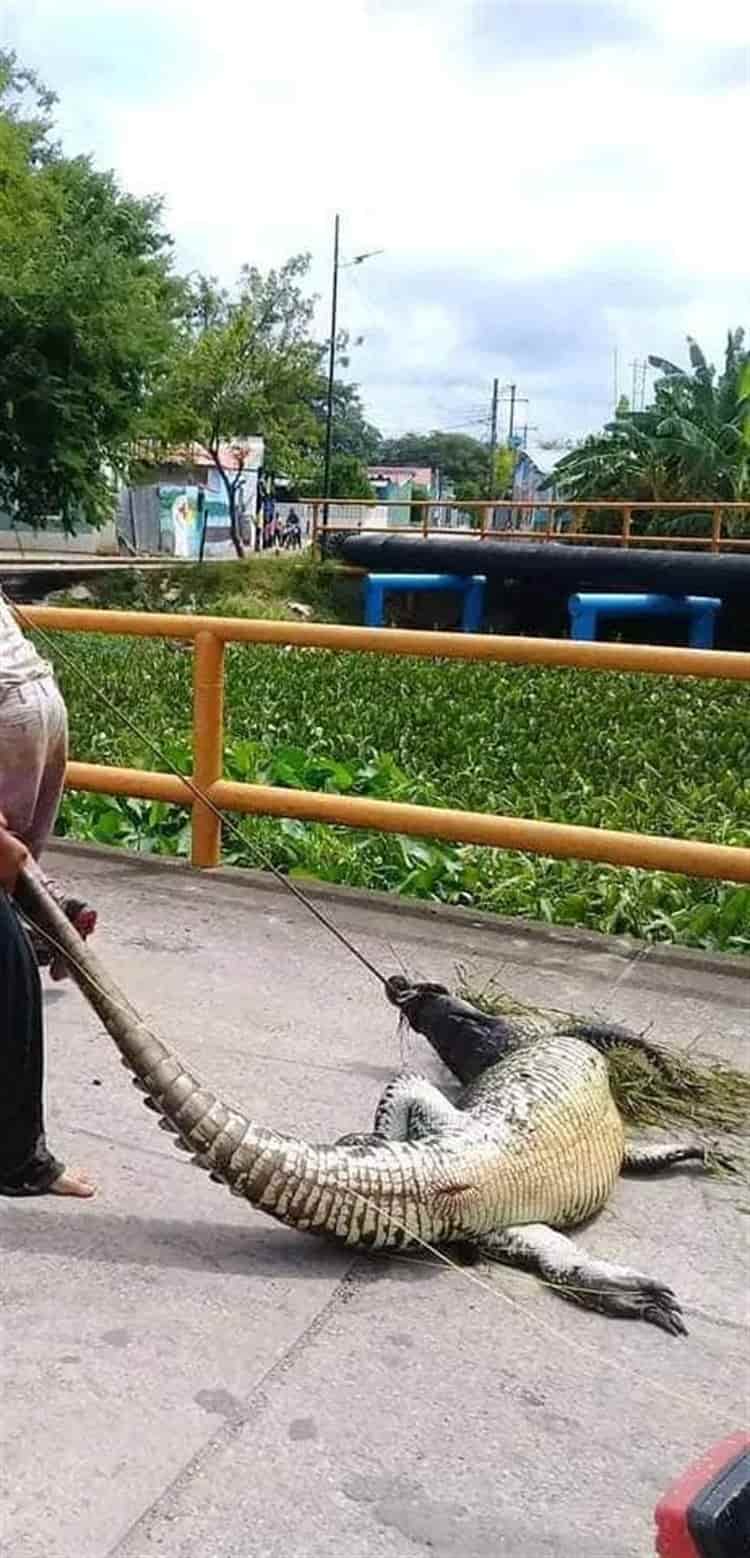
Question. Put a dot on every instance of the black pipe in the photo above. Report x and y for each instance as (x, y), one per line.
(551, 563)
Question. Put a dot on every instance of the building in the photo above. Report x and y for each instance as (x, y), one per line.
(183, 508)
(397, 483)
(418, 475)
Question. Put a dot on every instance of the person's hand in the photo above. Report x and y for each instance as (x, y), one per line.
(13, 855)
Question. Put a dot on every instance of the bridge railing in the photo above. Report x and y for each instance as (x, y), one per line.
(619, 533)
(210, 635)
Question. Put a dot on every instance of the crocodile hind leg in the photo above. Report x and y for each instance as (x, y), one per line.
(409, 1109)
(646, 1159)
(596, 1284)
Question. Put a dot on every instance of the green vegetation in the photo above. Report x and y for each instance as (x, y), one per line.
(349, 479)
(623, 752)
(87, 303)
(267, 585)
(691, 443)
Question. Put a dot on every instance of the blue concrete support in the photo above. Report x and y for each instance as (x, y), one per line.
(701, 610)
(470, 586)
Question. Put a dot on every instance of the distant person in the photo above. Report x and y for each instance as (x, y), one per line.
(270, 526)
(293, 532)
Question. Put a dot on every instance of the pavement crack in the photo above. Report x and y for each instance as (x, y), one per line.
(247, 1411)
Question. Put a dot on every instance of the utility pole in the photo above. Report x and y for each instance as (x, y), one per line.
(493, 437)
(515, 400)
(511, 415)
(616, 383)
(331, 371)
(358, 259)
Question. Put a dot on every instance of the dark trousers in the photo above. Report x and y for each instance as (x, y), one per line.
(26, 1165)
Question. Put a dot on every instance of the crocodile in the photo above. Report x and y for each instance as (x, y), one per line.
(532, 1145)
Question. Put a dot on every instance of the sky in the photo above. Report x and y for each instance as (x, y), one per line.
(551, 181)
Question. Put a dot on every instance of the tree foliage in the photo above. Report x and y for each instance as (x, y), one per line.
(692, 442)
(245, 366)
(87, 307)
(349, 478)
(352, 433)
(462, 460)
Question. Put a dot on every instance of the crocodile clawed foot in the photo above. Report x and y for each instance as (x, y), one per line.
(713, 1158)
(640, 1298)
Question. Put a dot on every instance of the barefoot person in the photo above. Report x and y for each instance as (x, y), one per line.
(33, 753)
(27, 1167)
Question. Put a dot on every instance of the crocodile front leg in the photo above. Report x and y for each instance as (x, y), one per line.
(595, 1284)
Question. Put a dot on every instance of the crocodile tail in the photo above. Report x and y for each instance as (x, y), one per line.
(358, 1195)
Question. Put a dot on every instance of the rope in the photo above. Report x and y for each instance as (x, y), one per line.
(199, 794)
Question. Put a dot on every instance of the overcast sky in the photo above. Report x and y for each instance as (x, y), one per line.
(550, 179)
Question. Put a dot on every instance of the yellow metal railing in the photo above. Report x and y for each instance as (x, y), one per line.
(210, 634)
(625, 512)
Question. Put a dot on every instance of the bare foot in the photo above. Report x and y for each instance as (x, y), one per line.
(72, 1182)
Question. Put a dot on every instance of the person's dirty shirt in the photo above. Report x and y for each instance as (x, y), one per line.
(19, 661)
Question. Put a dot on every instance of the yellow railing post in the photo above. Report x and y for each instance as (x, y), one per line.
(715, 529)
(208, 742)
(627, 515)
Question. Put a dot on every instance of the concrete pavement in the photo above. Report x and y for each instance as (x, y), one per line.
(180, 1376)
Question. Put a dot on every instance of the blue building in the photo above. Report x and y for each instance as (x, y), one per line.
(532, 479)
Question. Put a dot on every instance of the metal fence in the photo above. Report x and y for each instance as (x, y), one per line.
(553, 521)
(210, 635)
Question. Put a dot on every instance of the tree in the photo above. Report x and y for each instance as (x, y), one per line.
(692, 442)
(705, 422)
(505, 464)
(88, 302)
(417, 510)
(246, 365)
(349, 479)
(352, 433)
(463, 461)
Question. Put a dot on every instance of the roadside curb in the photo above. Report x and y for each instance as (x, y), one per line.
(240, 879)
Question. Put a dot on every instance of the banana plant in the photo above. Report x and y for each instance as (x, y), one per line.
(691, 443)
